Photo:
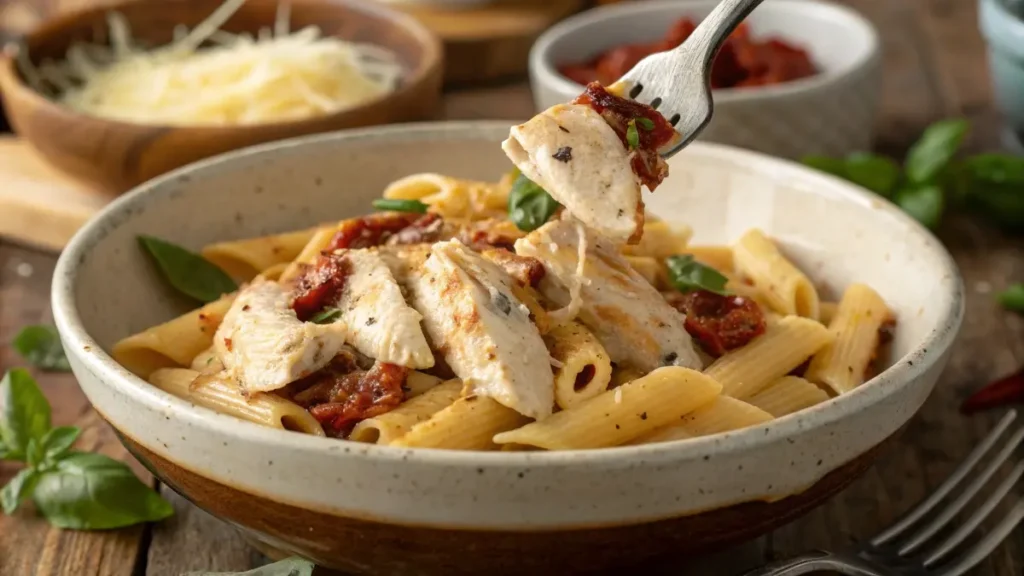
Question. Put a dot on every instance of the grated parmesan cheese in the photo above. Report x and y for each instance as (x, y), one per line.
(239, 79)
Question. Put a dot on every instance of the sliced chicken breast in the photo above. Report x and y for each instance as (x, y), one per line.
(632, 320)
(471, 314)
(572, 152)
(379, 322)
(264, 346)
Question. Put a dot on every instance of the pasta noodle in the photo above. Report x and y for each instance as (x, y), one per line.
(787, 395)
(223, 396)
(584, 369)
(843, 365)
(468, 423)
(244, 259)
(660, 240)
(720, 415)
(309, 253)
(618, 416)
(827, 311)
(173, 343)
(391, 426)
(417, 383)
(718, 257)
(648, 267)
(451, 197)
(785, 287)
(785, 345)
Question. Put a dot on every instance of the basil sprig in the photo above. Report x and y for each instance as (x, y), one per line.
(41, 347)
(932, 178)
(326, 316)
(686, 275)
(189, 273)
(288, 567)
(1013, 298)
(77, 490)
(394, 205)
(632, 135)
(529, 205)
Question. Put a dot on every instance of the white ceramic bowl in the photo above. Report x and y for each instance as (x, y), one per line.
(369, 508)
(831, 113)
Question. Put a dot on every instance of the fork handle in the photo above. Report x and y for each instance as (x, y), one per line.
(712, 32)
(813, 562)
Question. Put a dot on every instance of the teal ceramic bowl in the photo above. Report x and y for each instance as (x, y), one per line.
(1002, 24)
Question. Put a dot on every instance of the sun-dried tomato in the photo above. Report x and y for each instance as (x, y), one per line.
(340, 395)
(526, 270)
(719, 323)
(370, 230)
(652, 129)
(320, 284)
(1008, 390)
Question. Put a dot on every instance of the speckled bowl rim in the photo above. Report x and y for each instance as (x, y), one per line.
(544, 69)
(82, 346)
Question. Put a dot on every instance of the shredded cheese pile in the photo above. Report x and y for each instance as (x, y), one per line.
(241, 79)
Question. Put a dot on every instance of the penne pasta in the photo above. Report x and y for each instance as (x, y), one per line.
(787, 395)
(785, 287)
(720, 415)
(391, 426)
(173, 343)
(452, 197)
(417, 383)
(648, 267)
(223, 396)
(620, 415)
(827, 311)
(843, 365)
(786, 344)
(583, 370)
(660, 240)
(718, 257)
(244, 259)
(468, 423)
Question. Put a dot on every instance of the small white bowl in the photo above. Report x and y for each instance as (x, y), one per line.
(386, 510)
(832, 112)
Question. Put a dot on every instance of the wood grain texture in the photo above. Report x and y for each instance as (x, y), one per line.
(116, 155)
(28, 544)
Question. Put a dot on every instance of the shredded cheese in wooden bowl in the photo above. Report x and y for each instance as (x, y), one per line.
(207, 76)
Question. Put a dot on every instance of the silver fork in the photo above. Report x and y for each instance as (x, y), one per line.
(677, 83)
(900, 549)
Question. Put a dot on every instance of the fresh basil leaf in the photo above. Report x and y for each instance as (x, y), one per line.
(925, 204)
(930, 155)
(632, 136)
(686, 274)
(19, 488)
(24, 412)
(827, 164)
(40, 346)
(995, 188)
(1013, 298)
(3, 450)
(326, 316)
(529, 205)
(58, 441)
(87, 491)
(34, 453)
(288, 567)
(189, 273)
(876, 173)
(645, 123)
(400, 205)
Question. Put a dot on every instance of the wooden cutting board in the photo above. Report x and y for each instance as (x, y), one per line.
(38, 204)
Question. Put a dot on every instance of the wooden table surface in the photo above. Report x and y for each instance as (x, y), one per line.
(935, 68)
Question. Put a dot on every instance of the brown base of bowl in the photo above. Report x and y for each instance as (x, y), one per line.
(366, 547)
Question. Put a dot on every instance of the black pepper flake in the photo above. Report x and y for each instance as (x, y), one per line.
(616, 426)
(245, 308)
(502, 303)
(564, 154)
(563, 128)
(621, 213)
(371, 321)
(670, 358)
(643, 416)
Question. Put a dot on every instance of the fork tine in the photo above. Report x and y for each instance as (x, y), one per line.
(951, 482)
(954, 540)
(986, 545)
(969, 492)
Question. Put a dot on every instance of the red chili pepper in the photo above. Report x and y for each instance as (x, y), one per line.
(1004, 391)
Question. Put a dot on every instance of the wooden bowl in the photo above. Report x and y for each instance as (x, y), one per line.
(366, 508)
(117, 155)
